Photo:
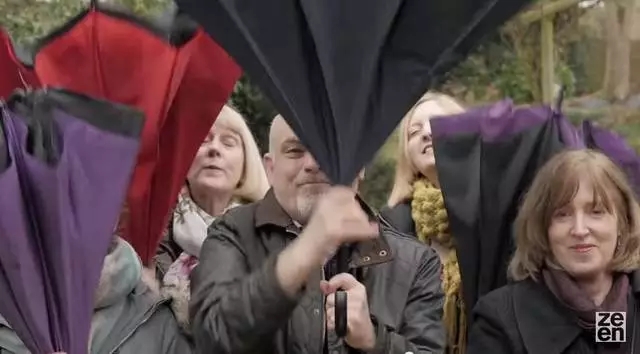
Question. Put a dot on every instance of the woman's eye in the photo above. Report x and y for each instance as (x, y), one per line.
(561, 214)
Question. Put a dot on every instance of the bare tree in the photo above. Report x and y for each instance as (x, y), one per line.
(618, 25)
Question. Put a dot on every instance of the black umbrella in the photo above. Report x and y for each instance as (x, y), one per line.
(616, 148)
(486, 159)
(343, 73)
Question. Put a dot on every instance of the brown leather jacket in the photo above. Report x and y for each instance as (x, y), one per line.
(237, 305)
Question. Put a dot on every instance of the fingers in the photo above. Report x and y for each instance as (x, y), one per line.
(326, 288)
(331, 319)
(344, 281)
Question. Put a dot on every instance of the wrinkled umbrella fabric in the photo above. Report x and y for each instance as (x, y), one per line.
(112, 54)
(616, 148)
(343, 73)
(487, 158)
(72, 158)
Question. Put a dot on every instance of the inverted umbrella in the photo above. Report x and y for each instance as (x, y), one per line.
(616, 148)
(71, 161)
(115, 55)
(343, 73)
(487, 158)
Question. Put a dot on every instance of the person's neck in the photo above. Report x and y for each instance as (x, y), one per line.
(213, 204)
(432, 177)
(597, 288)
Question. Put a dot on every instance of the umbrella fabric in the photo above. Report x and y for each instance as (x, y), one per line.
(208, 81)
(486, 160)
(71, 161)
(343, 73)
(14, 73)
(112, 54)
(616, 148)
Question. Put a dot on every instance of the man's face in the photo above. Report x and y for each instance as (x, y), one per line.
(293, 173)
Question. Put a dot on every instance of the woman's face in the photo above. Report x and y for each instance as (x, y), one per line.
(219, 162)
(419, 143)
(583, 235)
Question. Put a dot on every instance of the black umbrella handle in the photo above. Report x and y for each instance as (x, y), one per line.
(341, 313)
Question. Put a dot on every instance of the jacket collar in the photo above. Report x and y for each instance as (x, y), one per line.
(269, 213)
(540, 315)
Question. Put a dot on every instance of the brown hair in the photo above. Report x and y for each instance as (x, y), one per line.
(554, 186)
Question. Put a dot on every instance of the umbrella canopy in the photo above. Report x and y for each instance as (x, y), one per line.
(616, 148)
(15, 74)
(71, 161)
(172, 72)
(486, 159)
(343, 73)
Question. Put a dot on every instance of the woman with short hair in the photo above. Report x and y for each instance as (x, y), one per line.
(227, 171)
(577, 253)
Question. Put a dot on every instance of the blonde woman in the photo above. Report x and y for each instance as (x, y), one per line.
(416, 205)
(227, 171)
(577, 253)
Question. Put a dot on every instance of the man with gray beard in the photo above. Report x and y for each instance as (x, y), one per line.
(261, 287)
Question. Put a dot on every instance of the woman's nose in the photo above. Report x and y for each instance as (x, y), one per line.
(579, 227)
(213, 148)
(426, 135)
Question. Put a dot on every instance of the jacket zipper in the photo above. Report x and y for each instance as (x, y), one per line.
(323, 299)
(144, 320)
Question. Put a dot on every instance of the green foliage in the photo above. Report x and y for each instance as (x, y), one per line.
(256, 109)
(28, 20)
(378, 181)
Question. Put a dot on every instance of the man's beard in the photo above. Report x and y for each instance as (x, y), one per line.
(306, 202)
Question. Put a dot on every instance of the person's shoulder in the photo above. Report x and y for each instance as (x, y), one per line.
(407, 247)
(398, 217)
(500, 301)
(236, 220)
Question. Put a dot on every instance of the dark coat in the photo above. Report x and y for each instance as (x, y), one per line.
(526, 318)
(238, 306)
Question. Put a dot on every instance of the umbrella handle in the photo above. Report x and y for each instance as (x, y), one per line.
(341, 313)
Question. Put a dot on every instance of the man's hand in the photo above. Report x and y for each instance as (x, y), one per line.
(337, 218)
(360, 330)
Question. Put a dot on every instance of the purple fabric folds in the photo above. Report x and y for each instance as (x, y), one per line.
(616, 148)
(56, 219)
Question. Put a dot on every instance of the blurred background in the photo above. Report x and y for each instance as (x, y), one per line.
(589, 47)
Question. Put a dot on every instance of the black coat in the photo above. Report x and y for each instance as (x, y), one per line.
(526, 318)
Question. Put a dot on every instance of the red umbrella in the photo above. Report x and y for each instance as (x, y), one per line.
(179, 78)
(14, 73)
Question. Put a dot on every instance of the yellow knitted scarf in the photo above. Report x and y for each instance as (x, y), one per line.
(432, 224)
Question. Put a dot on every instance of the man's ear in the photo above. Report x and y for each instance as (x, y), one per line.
(267, 161)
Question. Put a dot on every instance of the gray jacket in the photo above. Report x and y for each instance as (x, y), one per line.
(146, 325)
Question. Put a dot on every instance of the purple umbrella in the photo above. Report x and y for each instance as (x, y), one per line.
(616, 148)
(486, 160)
(70, 161)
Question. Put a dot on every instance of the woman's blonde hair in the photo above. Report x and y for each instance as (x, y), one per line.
(406, 172)
(554, 186)
(253, 182)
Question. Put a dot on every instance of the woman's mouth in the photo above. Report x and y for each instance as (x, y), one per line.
(582, 248)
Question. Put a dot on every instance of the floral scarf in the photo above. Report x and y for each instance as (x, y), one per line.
(190, 224)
